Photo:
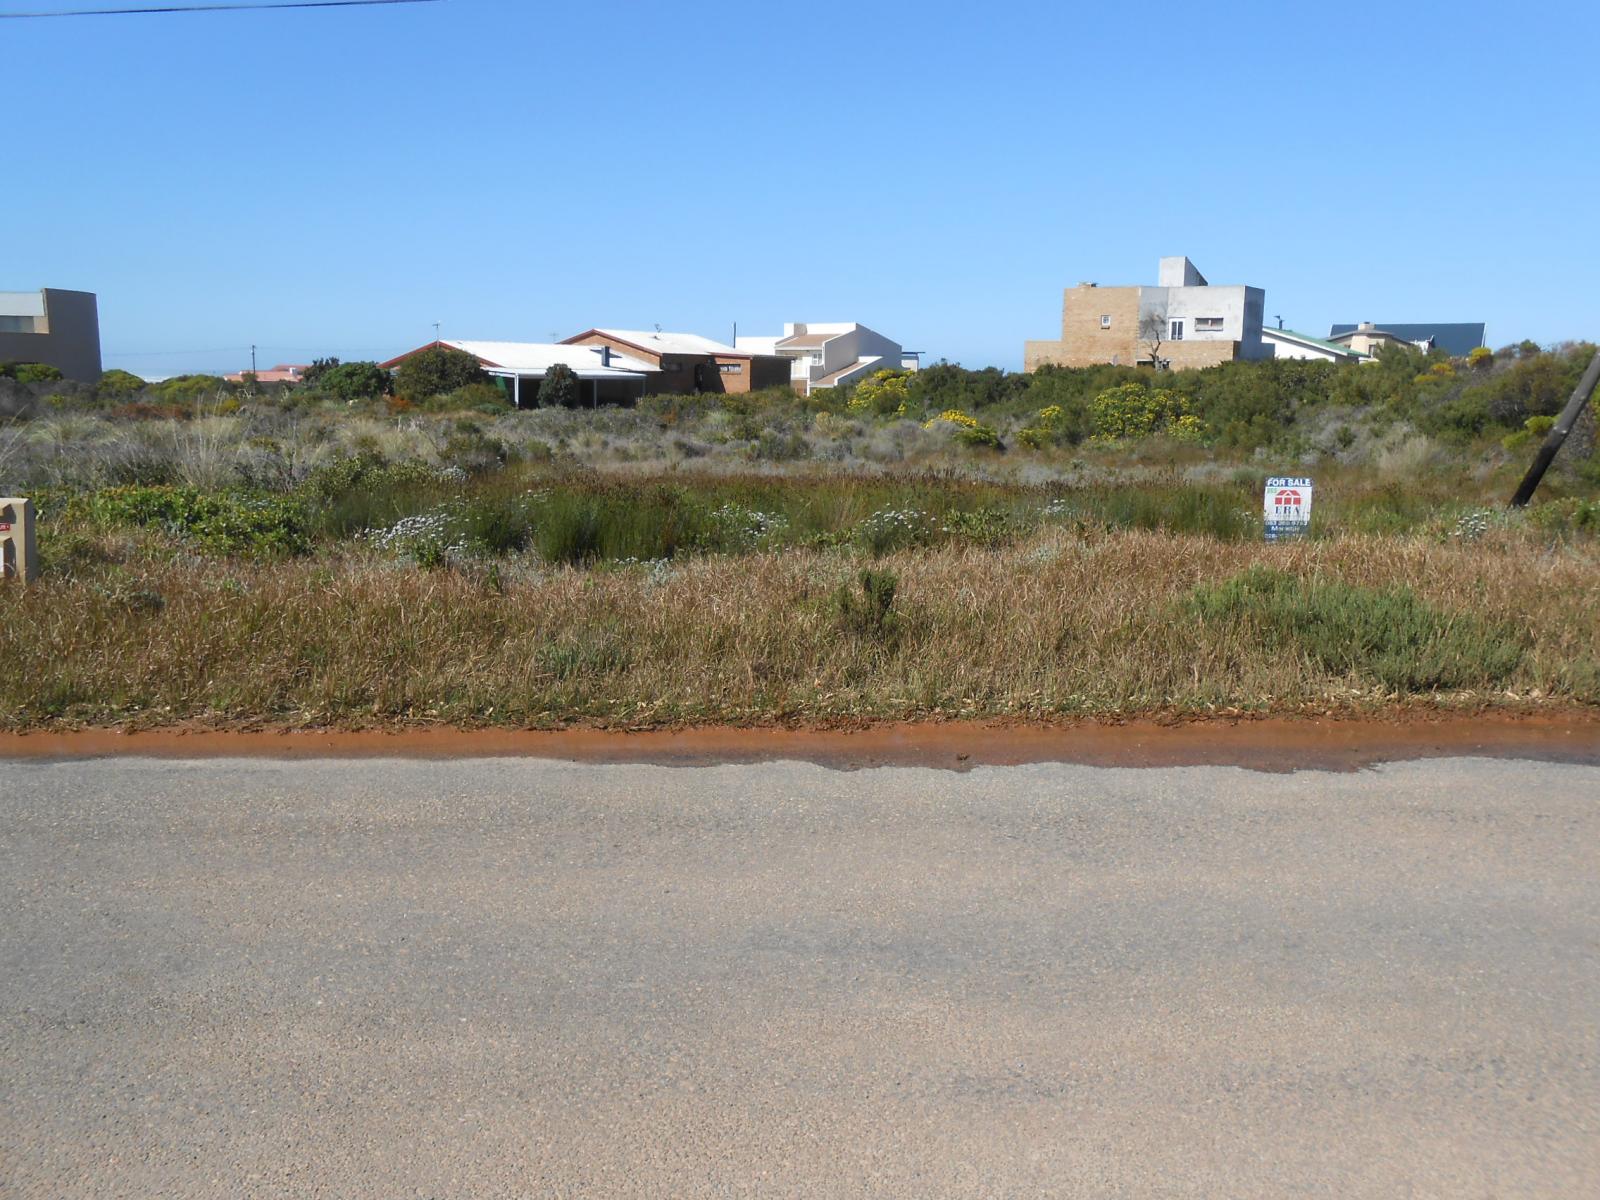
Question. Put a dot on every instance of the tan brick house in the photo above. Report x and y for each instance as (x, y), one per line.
(1183, 321)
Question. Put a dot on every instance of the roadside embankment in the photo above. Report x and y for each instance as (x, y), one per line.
(1062, 625)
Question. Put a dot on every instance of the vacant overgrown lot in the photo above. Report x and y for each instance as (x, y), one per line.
(647, 602)
(279, 559)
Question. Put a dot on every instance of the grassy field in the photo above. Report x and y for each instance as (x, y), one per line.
(1059, 622)
(294, 561)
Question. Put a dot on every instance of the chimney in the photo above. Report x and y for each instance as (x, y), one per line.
(605, 356)
(1366, 325)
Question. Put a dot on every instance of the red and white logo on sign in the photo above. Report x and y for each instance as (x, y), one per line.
(1287, 500)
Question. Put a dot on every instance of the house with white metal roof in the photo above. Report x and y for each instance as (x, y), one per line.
(830, 354)
(611, 377)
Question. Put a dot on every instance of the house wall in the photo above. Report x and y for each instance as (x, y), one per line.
(67, 331)
(681, 374)
(1364, 343)
(870, 343)
(768, 370)
(1084, 342)
(1239, 307)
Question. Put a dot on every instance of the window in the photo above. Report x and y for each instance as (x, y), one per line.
(731, 368)
(671, 364)
(1208, 324)
(1177, 331)
(1105, 320)
(16, 325)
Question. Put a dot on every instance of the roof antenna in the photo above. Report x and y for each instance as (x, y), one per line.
(658, 326)
(1279, 320)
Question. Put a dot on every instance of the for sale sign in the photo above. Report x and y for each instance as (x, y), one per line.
(1287, 507)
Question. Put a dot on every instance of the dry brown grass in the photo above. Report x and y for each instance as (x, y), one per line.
(1056, 625)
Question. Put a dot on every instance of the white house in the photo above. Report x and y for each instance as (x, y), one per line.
(828, 354)
(607, 374)
(1286, 343)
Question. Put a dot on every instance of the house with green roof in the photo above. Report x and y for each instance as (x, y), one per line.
(1286, 343)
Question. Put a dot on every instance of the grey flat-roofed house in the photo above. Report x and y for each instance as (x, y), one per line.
(1457, 339)
(52, 326)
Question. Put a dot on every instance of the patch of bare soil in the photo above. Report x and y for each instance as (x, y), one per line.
(1268, 744)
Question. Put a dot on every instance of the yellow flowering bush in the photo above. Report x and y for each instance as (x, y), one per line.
(1045, 428)
(882, 392)
(955, 416)
(1134, 411)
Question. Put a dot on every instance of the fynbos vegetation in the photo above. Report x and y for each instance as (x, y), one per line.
(946, 543)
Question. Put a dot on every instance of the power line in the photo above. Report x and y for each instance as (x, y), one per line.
(193, 8)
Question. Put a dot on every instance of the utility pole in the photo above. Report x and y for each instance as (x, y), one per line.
(1558, 434)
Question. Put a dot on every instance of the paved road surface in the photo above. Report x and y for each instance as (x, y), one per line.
(512, 978)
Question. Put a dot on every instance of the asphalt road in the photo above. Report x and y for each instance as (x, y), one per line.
(510, 978)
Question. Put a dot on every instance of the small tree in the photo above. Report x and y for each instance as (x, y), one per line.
(319, 367)
(1481, 358)
(1152, 333)
(353, 381)
(559, 387)
(436, 371)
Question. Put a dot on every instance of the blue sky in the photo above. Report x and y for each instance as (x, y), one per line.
(335, 181)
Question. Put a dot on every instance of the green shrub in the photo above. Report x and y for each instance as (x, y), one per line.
(559, 387)
(436, 371)
(185, 389)
(585, 652)
(220, 522)
(1385, 636)
(980, 437)
(1533, 428)
(891, 529)
(989, 525)
(350, 381)
(870, 612)
(118, 384)
(470, 449)
(1564, 517)
(492, 525)
(30, 372)
(484, 398)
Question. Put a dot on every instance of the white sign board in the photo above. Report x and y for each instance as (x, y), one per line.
(1287, 507)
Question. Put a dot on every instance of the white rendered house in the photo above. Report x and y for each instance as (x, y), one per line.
(1286, 343)
(829, 354)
